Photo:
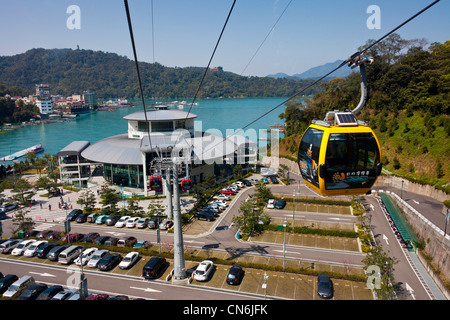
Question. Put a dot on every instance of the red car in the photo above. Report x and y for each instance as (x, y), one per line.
(227, 191)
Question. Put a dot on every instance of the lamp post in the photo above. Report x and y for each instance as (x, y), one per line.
(293, 212)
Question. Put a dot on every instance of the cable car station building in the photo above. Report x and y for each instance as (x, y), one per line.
(131, 159)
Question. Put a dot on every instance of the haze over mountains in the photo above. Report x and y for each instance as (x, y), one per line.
(318, 72)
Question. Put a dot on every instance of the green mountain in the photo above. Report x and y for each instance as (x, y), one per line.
(70, 71)
(408, 107)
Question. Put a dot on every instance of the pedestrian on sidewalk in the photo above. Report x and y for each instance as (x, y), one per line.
(49, 207)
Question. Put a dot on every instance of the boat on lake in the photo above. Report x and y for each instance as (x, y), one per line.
(34, 149)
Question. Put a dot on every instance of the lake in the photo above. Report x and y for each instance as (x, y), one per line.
(214, 115)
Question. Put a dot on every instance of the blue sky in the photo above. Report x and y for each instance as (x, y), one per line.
(310, 33)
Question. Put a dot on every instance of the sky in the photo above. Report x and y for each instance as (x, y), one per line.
(308, 34)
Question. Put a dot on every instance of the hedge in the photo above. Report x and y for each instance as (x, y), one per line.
(306, 230)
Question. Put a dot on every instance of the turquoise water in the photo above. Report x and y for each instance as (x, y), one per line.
(219, 114)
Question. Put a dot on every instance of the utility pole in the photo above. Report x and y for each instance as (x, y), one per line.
(169, 195)
(178, 248)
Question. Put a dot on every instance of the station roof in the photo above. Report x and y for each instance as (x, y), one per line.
(74, 148)
(160, 115)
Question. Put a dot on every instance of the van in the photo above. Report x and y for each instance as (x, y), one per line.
(19, 286)
(9, 245)
(70, 254)
(153, 267)
(98, 255)
(32, 250)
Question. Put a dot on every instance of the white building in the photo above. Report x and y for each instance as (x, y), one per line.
(45, 106)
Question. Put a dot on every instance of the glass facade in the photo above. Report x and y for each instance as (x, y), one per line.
(124, 175)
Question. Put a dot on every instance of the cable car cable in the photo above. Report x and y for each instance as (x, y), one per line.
(130, 28)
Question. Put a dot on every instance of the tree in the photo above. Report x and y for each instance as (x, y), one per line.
(87, 199)
(20, 186)
(249, 216)
(109, 197)
(47, 184)
(133, 206)
(377, 259)
(22, 222)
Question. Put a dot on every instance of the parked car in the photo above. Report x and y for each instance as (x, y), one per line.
(129, 260)
(50, 292)
(101, 239)
(7, 281)
(112, 219)
(54, 235)
(131, 223)
(92, 217)
(240, 184)
(324, 286)
(9, 245)
(142, 244)
(203, 270)
(98, 255)
(43, 234)
(64, 295)
(85, 256)
(32, 250)
(74, 214)
(271, 204)
(112, 241)
(247, 183)
(109, 261)
(102, 296)
(32, 292)
(101, 219)
(166, 224)
(73, 237)
(20, 249)
(8, 207)
(227, 191)
(127, 241)
(90, 237)
(235, 275)
(222, 197)
(265, 181)
(273, 179)
(82, 218)
(20, 285)
(53, 254)
(153, 267)
(44, 250)
(153, 223)
(204, 215)
(142, 223)
(280, 204)
(122, 222)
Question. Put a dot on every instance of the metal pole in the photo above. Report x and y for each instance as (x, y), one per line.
(178, 250)
(293, 213)
(169, 195)
(284, 246)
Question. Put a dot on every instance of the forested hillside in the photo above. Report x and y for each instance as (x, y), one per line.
(109, 75)
(408, 108)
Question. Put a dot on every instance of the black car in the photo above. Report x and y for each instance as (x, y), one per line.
(112, 220)
(50, 292)
(153, 267)
(101, 239)
(324, 286)
(44, 250)
(153, 223)
(280, 204)
(109, 261)
(82, 218)
(235, 275)
(90, 237)
(273, 179)
(204, 215)
(53, 254)
(33, 291)
(111, 241)
(73, 214)
(6, 281)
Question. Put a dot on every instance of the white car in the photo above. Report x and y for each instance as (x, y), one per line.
(32, 250)
(129, 260)
(122, 222)
(203, 270)
(131, 223)
(85, 256)
(222, 197)
(271, 204)
(98, 255)
(20, 249)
